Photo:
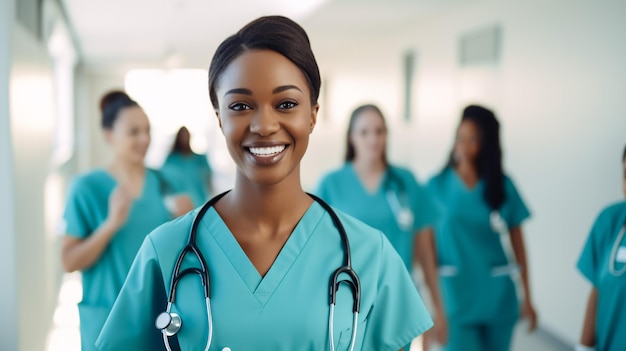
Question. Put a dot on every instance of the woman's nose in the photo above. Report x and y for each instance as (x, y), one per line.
(265, 122)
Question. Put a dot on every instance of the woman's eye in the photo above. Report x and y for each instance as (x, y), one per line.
(239, 106)
(286, 105)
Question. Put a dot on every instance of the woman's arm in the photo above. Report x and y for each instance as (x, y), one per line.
(588, 337)
(425, 252)
(519, 249)
(77, 253)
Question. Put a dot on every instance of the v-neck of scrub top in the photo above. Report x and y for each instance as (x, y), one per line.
(361, 184)
(463, 184)
(111, 178)
(263, 287)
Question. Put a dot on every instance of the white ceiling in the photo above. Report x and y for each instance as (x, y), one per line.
(185, 33)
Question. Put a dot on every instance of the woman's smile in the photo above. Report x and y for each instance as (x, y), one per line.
(266, 155)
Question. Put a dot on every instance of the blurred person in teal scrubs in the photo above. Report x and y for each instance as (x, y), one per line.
(388, 198)
(110, 210)
(603, 263)
(483, 215)
(186, 171)
(269, 247)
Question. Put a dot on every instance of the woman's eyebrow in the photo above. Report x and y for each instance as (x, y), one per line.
(243, 91)
(282, 88)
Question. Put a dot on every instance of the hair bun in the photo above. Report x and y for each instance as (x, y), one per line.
(111, 104)
(112, 97)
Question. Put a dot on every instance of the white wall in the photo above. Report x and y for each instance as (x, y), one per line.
(31, 241)
(8, 260)
(559, 92)
(92, 85)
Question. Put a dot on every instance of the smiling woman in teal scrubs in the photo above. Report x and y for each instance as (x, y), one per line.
(269, 247)
(387, 198)
(109, 212)
(476, 275)
(603, 263)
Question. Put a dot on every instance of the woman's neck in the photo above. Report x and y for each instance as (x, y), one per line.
(267, 209)
(468, 172)
(369, 165)
(370, 172)
(124, 171)
(466, 168)
(184, 152)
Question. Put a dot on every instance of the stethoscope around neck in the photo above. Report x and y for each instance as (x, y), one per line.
(169, 323)
(398, 201)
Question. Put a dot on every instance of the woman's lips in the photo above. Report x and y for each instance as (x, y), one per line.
(266, 155)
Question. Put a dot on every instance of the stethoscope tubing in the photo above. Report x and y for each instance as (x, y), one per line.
(615, 272)
(203, 273)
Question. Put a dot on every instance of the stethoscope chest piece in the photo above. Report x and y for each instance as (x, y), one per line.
(405, 219)
(168, 322)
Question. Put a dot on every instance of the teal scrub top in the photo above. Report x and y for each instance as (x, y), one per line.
(344, 190)
(86, 209)
(188, 174)
(286, 310)
(594, 265)
(468, 250)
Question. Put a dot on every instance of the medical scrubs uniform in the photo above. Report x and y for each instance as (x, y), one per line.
(478, 292)
(188, 174)
(344, 190)
(86, 209)
(286, 310)
(594, 265)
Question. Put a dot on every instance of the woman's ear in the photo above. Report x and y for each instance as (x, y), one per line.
(219, 120)
(314, 110)
(108, 135)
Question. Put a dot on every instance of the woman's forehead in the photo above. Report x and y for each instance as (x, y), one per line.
(260, 70)
(131, 116)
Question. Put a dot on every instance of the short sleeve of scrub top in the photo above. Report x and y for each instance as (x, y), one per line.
(514, 210)
(591, 255)
(601, 250)
(80, 209)
(287, 309)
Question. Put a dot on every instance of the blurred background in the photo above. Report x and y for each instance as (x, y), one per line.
(553, 71)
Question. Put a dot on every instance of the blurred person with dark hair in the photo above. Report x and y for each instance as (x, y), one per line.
(603, 263)
(186, 171)
(483, 216)
(388, 198)
(109, 211)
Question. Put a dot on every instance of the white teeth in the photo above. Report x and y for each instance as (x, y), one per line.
(267, 151)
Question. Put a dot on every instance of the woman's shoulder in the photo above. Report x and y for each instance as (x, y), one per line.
(510, 186)
(338, 171)
(335, 174)
(401, 171)
(440, 177)
(174, 233)
(94, 178)
(363, 234)
(613, 212)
